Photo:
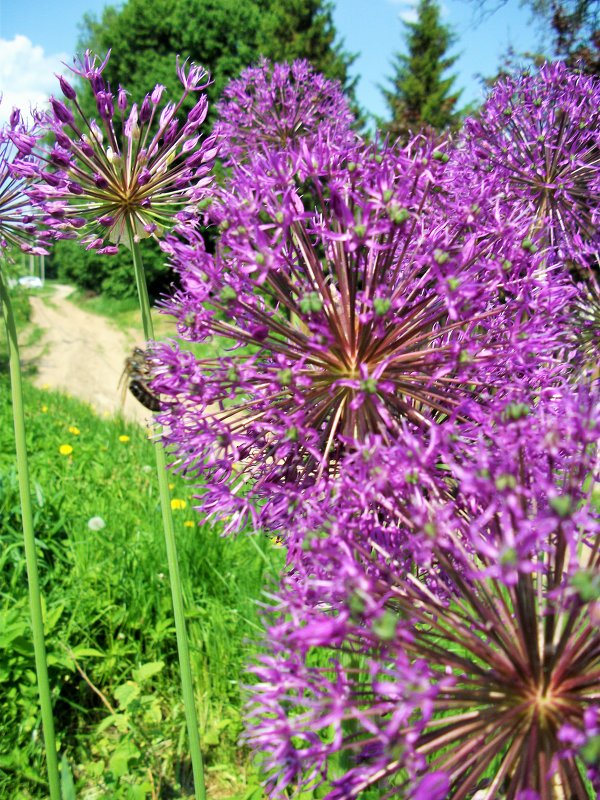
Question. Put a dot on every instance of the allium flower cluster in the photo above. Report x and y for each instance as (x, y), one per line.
(356, 305)
(135, 170)
(478, 670)
(277, 106)
(536, 143)
(20, 223)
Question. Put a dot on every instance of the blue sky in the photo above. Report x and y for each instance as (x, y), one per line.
(36, 36)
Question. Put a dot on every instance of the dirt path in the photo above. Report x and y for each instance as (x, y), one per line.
(82, 354)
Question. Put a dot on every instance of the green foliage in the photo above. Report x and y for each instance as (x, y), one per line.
(146, 35)
(421, 97)
(111, 275)
(108, 619)
(292, 29)
(225, 36)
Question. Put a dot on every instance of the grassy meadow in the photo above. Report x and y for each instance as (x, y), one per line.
(108, 619)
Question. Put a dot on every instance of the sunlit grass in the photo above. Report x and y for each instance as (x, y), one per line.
(103, 573)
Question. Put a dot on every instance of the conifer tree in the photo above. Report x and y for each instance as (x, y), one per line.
(292, 29)
(421, 95)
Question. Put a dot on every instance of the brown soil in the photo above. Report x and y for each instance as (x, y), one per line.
(82, 354)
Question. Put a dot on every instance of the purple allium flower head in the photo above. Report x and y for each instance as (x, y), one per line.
(536, 141)
(20, 224)
(472, 671)
(347, 303)
(145, 179)
(276, 106)
(585, 326)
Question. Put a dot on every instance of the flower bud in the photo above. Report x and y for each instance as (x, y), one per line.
(132, 129)
(157, 93)
(121, 99)
(199, 111)
(144, 176)
(145, 110)
(61, 112)
(66, 88)
(63, 140)
(105, 105)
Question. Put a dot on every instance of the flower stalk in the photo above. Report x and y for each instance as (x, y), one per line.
(183, 652)
(35, 603)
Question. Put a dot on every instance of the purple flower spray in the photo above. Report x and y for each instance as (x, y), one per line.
(348, 298)
(437, 634)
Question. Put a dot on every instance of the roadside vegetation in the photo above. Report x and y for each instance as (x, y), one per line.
(108, 614)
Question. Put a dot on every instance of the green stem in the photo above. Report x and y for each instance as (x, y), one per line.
(187, 685)
(35, 603)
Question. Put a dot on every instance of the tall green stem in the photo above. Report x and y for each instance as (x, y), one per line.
(35, 603)
(187, 685)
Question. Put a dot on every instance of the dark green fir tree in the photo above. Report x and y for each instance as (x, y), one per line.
(422, 94)
(292, 29)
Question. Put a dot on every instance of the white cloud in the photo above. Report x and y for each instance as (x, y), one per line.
(408, 9)
(27, 75)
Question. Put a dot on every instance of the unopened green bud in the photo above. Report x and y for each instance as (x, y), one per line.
(369, 386)
(527, 244)
(430, 530)
(398, 215)
(505, 481)
(441, 256)
(284, 376)
(381, 305)
(291, 434)
(516, 411)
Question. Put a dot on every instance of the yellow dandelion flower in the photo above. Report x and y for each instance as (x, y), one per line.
(123, 438)
(189, 523)
(44, 409)
(45, 387)
(171, 486)
(177, 504)
(74, 430)
(276, 541)
(65, 449)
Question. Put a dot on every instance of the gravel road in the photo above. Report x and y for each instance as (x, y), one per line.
(82, 354)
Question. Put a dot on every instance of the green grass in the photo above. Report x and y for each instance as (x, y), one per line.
(22, 311)
(124, 312)
(113, 663)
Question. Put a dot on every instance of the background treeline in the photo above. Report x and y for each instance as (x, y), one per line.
(225, 36)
